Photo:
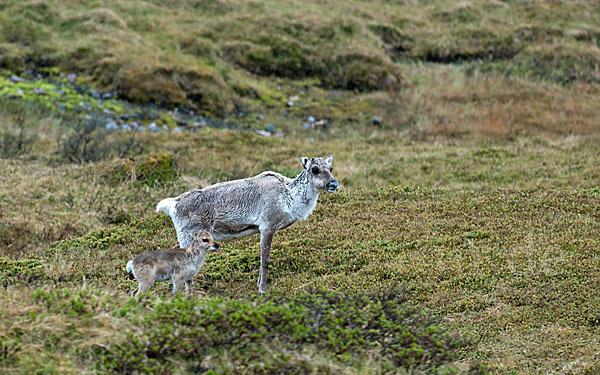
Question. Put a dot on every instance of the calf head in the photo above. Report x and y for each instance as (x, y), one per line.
(319, 173)
(206, 241)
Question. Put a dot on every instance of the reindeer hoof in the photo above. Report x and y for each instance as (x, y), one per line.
(263, 291)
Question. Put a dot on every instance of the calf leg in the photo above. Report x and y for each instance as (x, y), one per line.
(266, 237)
(178, 282)
(143, 288)
(188, 285)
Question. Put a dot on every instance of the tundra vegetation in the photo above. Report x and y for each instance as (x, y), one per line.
(464, 238)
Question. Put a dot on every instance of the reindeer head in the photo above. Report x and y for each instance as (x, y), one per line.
(205, 240)
(319, 174)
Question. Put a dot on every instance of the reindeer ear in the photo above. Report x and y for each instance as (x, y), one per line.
(329, 159)
(304, 162)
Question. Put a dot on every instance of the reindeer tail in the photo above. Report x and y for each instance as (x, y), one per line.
(167, 206)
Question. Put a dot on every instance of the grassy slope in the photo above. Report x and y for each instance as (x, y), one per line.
(488, 226)
(224, 57)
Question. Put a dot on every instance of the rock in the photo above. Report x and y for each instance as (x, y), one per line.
(310, 119)
(142, 128)
(111, 126)
(134, 124)
(107, 95)
(17, 79)
(270, 128)
(107, 111)
(377, 121)
(181, 122)
(61, 106)
(126, 127)
(39, 91)
(290, 104)
(294, 98)
(177, 129)
(323, 123)
(72, 77)
(260, 117)
(277, 97)
(310, 139)
(263, 132)
(94, 94)
(279, 134)
(59, 92)
(307, 125)
(165, 128)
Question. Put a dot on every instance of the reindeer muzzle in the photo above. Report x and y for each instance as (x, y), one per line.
(332, 186)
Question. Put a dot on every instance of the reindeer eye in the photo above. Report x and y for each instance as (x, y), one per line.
(315, 170)
(205, 240)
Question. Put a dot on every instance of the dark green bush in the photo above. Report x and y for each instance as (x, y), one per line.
(146, 170)
(337, 323)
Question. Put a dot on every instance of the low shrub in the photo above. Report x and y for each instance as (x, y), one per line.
(88, 141)
(146, 170)
(345, 326)
(12, 271)
(14, 140)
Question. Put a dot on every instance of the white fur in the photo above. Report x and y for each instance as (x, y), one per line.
(129, 267)
(167, 206)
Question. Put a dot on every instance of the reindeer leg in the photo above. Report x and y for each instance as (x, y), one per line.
(266, 237)
(143, 288)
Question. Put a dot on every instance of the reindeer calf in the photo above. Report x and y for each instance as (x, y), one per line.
(178, 265)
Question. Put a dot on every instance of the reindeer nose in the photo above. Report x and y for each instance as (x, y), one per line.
(332, 186)
(216, 246)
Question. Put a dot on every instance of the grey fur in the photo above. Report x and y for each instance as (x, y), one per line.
(178, 265)
(264, 203)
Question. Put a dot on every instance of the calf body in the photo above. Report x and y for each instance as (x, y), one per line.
(177, 264)
(261, 204)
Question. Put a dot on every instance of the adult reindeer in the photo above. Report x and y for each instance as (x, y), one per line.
(264, 203)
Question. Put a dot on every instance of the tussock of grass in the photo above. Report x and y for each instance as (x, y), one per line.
(148, 170)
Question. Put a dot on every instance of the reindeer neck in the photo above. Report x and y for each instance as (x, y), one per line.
(195, 250)
(302, 191)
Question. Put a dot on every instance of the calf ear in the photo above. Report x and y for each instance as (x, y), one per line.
(329, 159)
(304, 162)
